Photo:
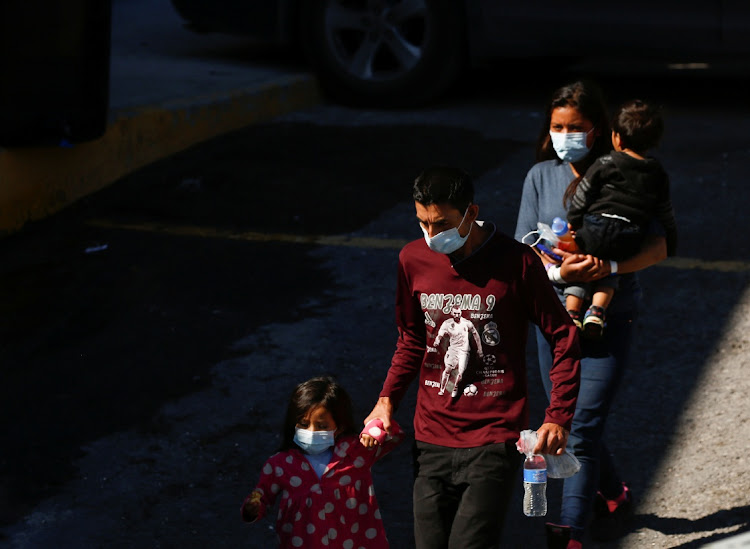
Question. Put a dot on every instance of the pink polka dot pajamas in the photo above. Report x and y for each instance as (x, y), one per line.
(337, 510)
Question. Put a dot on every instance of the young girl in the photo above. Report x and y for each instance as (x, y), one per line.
(322, 472)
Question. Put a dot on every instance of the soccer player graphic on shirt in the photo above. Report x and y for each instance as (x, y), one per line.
(457, 356)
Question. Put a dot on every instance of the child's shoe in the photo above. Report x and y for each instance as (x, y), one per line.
(594, 321)
(576, 316)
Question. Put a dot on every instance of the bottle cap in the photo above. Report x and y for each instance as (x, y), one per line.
(559, 226)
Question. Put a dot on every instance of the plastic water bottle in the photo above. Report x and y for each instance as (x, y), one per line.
(565, 240)
(534, 486)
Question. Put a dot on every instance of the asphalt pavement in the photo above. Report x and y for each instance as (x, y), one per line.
(170, 89)
(157, 62)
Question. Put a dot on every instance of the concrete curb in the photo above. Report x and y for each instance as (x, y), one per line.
(37, 182)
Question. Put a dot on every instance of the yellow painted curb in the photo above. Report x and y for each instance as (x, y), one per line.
(37, 182)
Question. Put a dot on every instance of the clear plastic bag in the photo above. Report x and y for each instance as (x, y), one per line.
(544, 233)
(562, 466)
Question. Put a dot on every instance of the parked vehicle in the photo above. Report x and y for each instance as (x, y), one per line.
(406, 52)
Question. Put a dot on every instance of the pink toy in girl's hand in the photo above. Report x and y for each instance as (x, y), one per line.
(374, 428)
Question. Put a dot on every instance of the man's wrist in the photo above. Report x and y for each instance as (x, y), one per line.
(386, 403)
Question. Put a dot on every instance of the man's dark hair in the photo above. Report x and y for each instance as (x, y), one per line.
(639, 125)
(444, 185)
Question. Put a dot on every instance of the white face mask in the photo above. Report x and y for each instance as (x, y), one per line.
(449, 240)
(570, 147)
(313, 442)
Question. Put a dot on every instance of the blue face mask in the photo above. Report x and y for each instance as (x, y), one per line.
(447, 241)
(313, 442)
(570, 147)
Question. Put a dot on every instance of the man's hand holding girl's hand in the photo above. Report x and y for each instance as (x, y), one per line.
(373, 433)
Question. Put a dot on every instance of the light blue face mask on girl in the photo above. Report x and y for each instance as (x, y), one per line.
(313, 442)
(570, 147)
(449, 240)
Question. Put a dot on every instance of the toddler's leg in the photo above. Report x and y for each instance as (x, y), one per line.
(575, 296)
(602, 296)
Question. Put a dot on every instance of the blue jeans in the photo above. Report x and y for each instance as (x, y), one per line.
(602, 366)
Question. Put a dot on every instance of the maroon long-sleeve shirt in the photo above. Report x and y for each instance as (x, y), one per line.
(499, 288)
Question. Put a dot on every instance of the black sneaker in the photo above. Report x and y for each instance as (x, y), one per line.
(609, 525)
(593, 322)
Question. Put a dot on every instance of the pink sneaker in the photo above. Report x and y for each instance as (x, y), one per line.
(611, 516)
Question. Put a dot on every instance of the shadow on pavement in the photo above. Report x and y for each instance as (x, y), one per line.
(725, 518)
(95, 341)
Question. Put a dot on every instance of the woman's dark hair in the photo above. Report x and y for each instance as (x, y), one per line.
(318, 391)
(444, 185)
(586, 97)
(639, 125)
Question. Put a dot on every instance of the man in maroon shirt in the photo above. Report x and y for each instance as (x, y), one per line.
(465, 433)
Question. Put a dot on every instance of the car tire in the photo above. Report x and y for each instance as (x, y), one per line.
(384, 53)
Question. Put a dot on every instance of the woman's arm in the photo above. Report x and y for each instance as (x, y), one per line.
(653, 251)
(585, 268)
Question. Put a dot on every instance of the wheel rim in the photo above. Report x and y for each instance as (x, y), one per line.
(377, 40)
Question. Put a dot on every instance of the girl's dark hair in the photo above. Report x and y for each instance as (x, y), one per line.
(639, 125)
(586, 97)
(318, 391)
(444, 185)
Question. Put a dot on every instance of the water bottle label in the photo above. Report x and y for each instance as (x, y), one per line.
(535, 476)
